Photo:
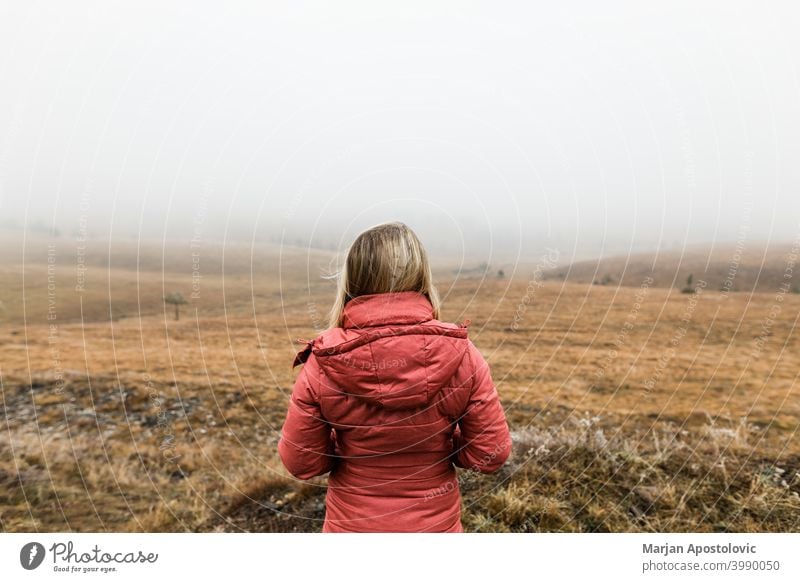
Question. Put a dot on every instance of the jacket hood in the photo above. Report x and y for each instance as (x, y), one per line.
(390, 351)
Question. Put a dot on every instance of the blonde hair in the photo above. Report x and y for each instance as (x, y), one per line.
(386, 258)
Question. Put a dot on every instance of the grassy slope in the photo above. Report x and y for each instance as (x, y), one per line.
(160, 425)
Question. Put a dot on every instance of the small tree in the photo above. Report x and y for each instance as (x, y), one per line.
(501, 273)
(177, 300)
(689, 281)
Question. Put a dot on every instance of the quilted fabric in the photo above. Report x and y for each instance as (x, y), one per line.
(390, 404)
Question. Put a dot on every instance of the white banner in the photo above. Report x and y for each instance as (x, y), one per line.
(354, 557)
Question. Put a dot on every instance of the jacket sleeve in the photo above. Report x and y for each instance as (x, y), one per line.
(482, 440)
(307, 442)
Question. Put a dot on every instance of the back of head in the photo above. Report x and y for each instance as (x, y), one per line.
(387, 258)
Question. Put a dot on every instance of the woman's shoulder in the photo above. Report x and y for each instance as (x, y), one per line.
(329, 338)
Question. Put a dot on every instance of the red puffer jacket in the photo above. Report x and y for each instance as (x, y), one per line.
(389, 403)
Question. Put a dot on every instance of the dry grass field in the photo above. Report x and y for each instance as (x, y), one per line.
(636, 408)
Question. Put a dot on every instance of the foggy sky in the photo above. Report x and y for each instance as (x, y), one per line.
(600, 126)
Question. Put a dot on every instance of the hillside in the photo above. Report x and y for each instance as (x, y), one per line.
(754, 268)
(632, 408)
(97, 280)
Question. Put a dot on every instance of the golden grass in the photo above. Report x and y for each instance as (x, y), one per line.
(680, 414)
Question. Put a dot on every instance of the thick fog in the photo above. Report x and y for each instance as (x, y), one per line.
(600, 127)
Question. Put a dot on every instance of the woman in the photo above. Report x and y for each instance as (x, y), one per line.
(391, 399)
